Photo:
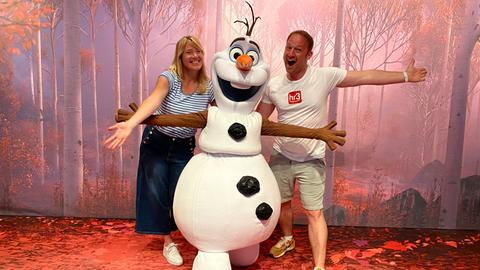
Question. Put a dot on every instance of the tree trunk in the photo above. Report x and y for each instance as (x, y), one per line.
(380, 105)
(133, 11)
(441, 122)
(136, 80)
(117, 89)
(333, 104)
(40, 106)
(53, 82)
(94, 89)
(356, 135)
(469, 33)
(32, 75)
(73, 142)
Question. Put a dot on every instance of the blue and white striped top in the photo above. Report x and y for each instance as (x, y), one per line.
(178, 103)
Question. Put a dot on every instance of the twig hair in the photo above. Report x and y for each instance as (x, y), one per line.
(254, 19)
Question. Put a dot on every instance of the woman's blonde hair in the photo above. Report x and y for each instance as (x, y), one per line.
(177, 65)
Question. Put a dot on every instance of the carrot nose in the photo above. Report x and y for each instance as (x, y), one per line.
(244, 62)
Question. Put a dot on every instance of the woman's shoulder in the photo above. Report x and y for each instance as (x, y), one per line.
(170, 75)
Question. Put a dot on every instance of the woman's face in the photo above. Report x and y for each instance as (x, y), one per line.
(192, 58)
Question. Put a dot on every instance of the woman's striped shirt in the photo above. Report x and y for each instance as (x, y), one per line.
(178, 103)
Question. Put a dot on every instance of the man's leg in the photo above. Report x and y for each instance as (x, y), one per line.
(311, 180)
(286, 219)
(281, 167)
(286, 242)
(317, 234)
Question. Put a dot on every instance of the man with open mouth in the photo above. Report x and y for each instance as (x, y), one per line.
(300, 97)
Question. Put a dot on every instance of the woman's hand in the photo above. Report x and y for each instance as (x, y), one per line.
(122, 131)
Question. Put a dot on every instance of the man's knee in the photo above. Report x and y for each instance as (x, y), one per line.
(314, 215)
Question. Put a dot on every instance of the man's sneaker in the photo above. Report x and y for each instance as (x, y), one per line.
(170, 252)
(282, 246)
(318, 268)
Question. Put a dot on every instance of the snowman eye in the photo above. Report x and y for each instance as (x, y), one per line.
(254, 56)
(235, 53)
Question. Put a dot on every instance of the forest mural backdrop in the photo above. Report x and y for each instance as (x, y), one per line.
(412, 157)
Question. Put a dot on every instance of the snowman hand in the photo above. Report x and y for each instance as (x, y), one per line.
(331, 137)
(123, 115)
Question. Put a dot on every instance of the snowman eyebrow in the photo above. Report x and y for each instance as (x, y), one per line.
(235, 40)
(242, 39)
(254, 43)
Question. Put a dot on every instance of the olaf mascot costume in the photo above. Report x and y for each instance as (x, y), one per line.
(227, 200)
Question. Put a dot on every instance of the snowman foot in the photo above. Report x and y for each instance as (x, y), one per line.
(245, 256)
(211, 261)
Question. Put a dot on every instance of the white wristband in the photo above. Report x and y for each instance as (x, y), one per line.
(405, 76)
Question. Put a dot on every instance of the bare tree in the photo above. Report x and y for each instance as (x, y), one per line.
(395, 39)
(113, 7)
(131, 25)
(333, 102)
(429, 100)
(370, 25)
(73, 140)
(39, 77)
(161, 15)
(468, 35)
(92, 6)
(53, 17)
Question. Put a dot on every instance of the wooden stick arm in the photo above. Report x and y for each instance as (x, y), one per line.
(326, 134)
(194, 120)
(269, 128)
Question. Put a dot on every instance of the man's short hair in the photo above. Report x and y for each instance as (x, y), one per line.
(304, 34)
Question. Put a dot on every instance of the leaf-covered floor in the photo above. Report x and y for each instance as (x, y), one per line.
(63, 243)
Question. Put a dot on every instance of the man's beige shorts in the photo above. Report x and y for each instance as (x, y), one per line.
(309, 174)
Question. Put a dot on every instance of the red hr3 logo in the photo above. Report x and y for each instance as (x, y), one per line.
(295, 97)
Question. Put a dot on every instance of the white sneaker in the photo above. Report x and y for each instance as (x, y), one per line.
(170, 252)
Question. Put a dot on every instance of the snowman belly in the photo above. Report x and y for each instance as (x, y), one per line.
(211, 211)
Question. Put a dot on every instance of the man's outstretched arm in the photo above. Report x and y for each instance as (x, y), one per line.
(380, 77)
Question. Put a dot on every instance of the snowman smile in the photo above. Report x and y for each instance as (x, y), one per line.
(237, 92)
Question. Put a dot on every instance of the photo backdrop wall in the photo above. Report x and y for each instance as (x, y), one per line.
(412, 154)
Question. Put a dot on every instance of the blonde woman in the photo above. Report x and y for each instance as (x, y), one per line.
(164, 151)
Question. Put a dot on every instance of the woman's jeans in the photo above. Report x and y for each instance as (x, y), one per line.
(162, 159)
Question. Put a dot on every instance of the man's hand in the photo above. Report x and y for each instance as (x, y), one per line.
(415, 74)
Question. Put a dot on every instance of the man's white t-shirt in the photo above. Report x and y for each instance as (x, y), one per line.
(303, 103)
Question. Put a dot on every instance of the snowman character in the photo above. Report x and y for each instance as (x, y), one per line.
(227, 200)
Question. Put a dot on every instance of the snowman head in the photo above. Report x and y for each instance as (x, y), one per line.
(239, 74)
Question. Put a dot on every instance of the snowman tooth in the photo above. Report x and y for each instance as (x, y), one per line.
(240, 86)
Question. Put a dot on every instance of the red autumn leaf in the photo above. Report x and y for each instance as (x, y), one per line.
(336, 258)
(394, 245)
(381, 261)
(410, 246)
(338, 267)
(371, 252)
(451, 243)
(364, 262)
(352, 253)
